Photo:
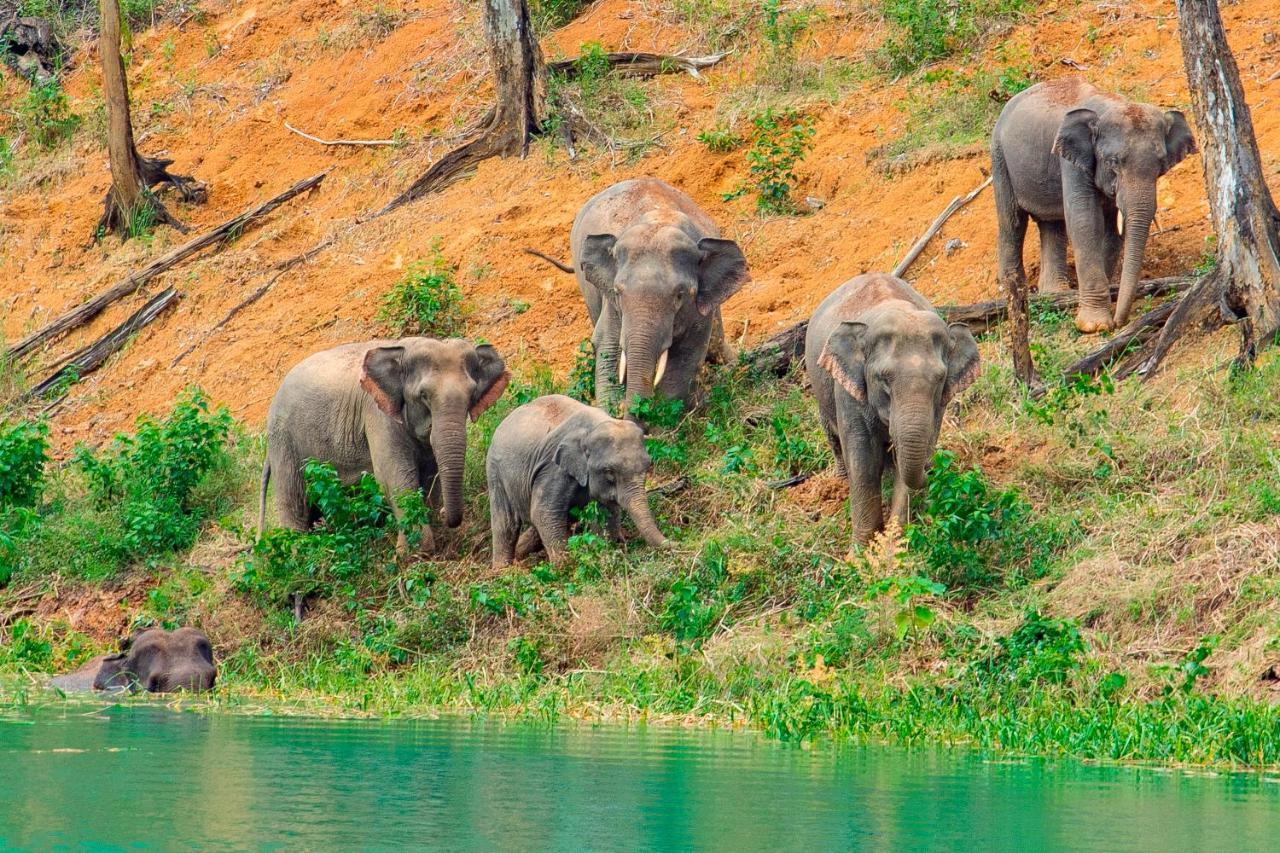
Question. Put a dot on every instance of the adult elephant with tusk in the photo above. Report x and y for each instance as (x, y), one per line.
(883, 366)
(1083, 164)
(654, 272)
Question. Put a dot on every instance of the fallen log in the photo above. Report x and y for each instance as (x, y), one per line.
(640, 64)
(776, 354)
(86, 311)
(980, 316)
(956, 203)
(90, 358)
(1134, 334)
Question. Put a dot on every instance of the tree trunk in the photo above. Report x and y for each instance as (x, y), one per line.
(132, 175)
(517, 65)
(1245, 285)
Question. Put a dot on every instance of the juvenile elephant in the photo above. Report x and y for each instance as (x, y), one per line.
(156, 660)
(395, 408)
(1083, 164)
(555, 454)
(883, 366)
(654, 271)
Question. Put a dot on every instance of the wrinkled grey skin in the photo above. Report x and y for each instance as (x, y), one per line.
(395, 408)
(883, 366)
(555, 454)
(654, 271)
(1072, 158)
(156, 660)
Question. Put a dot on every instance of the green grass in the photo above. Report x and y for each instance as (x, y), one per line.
(426, 300)
(925, 31)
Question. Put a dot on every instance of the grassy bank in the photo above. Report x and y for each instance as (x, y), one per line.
(1093, 575)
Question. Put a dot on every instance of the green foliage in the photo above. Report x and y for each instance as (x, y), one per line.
(350, 542)
(1041, 649)
(1192, 667)
(1208, 260)
(426, 300)
(26, 648)
(548, 15)
(782, 138)
(582, 378)
(912, 614)
(45, 116)
(793, 452)
(662, 413)
(782, 29)
(149, 477)
(595, 103)
(720, 140)
(924, 31)
(24, 451)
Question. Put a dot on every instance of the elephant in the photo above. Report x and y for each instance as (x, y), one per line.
(1083, 164)
(555, 454)
(155, 660)
(395, 408)
(654, 271)
(883, 366)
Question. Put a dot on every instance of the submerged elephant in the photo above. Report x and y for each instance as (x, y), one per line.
(395, 408)
(883, 366)
(156, 660)
(553, 455)
(654, 271)
(1083, 164)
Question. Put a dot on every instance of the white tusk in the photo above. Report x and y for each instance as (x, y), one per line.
(662, 368)
(622, 369)
(1120, 223)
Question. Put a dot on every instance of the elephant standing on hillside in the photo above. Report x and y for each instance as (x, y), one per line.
(395, 408)
(883, 366)
(553, 455)
(156, 660)
(654, 271)
(1083, 164)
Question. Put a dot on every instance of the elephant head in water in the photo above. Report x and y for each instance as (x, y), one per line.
(156, 660)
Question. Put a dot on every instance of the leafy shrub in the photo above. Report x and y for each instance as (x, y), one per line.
(149, 478)
(1041, 649)
(793, 452)
(26, 647)
(905, 591)
(720, 140)
(425, 301)
(781, 30)
(24, 451)
(924, 31)
(582, 378)
(45, 115)
(782, 138)
(661, 413)
(350, 541)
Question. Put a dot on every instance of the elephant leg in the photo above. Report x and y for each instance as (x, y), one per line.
(1053, 257)
(292, 509)
(833, 438)
(865, 463)
(901, 501)
(684, 360)
(529, 543)
(613, 522)
(504, 528)
(398, 474)
(1087, 231)
(719, 350)
(605, 341)
(1011, 225)
(1114, 242)
(550, 518)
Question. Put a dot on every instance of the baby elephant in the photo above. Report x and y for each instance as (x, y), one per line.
(157, 661)
(395, 408)
(555, 454)
(883, 366)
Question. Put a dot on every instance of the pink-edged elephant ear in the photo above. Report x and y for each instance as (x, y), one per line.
(721, 273)
(844, 356)
(491, 377)
(962, 360)
(1074, 142)
(597, 262)
(382, 378)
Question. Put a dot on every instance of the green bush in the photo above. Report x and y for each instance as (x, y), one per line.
(350, 542)
(782, 138)
(24, 451)
(581, 385)
(1041, 649)
(149, 478)
(45, 116)
(426, 301)
(720, 140)
(924, 31)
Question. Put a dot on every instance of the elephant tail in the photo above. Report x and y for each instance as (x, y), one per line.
(262, 496)
(550, 260)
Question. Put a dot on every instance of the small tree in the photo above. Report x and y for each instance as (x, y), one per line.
(129, 201)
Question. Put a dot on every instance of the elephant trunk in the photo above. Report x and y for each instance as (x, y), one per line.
(1138, 209)
(636, 503)
(913, 429)
(449, 444)
(642, 363)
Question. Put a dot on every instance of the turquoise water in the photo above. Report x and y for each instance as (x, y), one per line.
(142, 777)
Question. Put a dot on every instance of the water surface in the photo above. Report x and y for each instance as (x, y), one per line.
(138, 777)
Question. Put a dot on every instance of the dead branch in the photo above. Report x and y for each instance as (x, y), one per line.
(981, 316)
(356, 142)
(1134, 334)
(956, 203)
(641, 64)
(90, 358)
(86, 311)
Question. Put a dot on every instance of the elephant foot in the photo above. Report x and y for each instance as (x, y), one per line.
(1055, 285)
(1090, 321)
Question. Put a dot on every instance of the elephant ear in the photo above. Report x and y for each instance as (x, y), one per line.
(597, 262)
(1178, 141)
(962, 361)
(845, 358)
(491, 377)
(571, 454)
(1075, 139)
(382, 378)
(721, 273)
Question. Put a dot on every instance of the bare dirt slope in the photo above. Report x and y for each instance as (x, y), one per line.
(214, 94)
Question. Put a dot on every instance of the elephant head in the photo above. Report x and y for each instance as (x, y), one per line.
(906, 367)
(609, 459)
(662, 282)
(159, 661)
(431, 387)
(1126, 149)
